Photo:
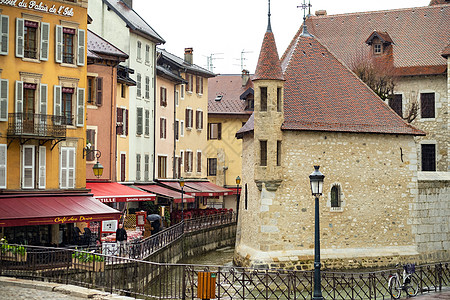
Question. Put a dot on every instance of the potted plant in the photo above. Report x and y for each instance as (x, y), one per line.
(12, 252)
(89, 261)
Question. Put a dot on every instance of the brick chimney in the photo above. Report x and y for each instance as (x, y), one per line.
(129, 3)
(245, 77)
(321, 12)
(189, 55)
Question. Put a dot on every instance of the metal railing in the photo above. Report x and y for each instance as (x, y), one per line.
(30, 124)
(146, 247)
(139, 278)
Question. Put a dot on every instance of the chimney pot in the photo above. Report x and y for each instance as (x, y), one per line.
(321, 12)
(189, 55)
(245, 77)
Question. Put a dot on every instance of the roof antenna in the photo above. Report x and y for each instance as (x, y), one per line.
(269, 26)
(305, 6)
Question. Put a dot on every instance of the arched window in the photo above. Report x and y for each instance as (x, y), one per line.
(335, 196)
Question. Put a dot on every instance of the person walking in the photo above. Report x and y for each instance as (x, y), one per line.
(121, 238)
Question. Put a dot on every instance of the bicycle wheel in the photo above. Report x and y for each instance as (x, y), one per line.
(394, 287)
(412, 288)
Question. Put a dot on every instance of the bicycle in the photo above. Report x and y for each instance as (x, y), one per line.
(405, 282)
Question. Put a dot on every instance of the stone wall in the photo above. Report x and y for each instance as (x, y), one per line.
(377, 178)
(436, 128)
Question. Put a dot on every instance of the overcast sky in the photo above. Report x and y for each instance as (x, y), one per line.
(224, 29)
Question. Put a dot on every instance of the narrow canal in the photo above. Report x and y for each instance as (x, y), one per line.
(219, 257)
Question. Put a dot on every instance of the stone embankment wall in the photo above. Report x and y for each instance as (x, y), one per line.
(196, 243)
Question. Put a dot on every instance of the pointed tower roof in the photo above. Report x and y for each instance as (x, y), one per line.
(268, 66)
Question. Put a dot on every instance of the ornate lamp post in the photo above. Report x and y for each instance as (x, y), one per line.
(238, 197)
(316, 180)
(97, 168)
(182, 202)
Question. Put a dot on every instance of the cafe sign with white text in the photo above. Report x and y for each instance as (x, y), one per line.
(61, 10)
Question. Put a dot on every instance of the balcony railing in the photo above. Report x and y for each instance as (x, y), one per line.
(37, 125)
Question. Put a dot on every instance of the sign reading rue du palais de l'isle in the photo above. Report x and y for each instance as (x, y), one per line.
(41, 6)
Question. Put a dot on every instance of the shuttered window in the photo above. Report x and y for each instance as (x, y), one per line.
(28, 166)
(4, 94)
(20, 37)
(188, 161)
(138, 167)
(45, 41)
(212, 166)
(59, 44)
(177, 130)
(189, 118)
(199, 119)
(119, 122)
(3, 165)
(67, 168)
(57, 99)
(138, 85)
(199, 85)
(162, 128)
(42, 166)
(147, 54)
(139, 125)
(146, 167)
(214, 131)
(90, 139)
(4, 35)
(163, 96)
(81, 47)
(199, 161)
(80, 107)
(147, 87)
(123, 167)
(147, 122)
(190, 82)
(99, 99)
(162, 167)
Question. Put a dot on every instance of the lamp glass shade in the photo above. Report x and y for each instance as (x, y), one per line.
(316, 180)
(238, 180)
(181, 182)
(98, 169)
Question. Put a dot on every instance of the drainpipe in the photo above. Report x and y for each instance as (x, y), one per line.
(174, 130)
(112, 145)
(154, 111)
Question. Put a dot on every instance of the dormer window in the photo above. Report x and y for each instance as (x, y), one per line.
(218, 97)
(379, 41)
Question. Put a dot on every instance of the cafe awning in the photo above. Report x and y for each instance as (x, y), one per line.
(107, 192)
(31, 210)
(208, 189)
(167, 193)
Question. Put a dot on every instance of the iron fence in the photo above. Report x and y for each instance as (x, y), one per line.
(37, 125)
(150, 280)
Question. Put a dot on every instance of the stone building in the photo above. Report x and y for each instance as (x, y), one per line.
(310, 109)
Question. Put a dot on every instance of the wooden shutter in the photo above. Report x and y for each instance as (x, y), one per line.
(200, 121)
(139, 120)
(3, 165)
(4, 86)
(57, 96)
(80, 107)
(197, 126)
(161, 128)
(161, 96)
(45, 40)
(186, 167)
(42, 169)
(20, 35)
(71, 168)
(122, 167)
(58, 43)
(4, 35)
(186, 117)
(19, 103)
(63, 169)
(138, 85)
(90, 138)
(199, 162)
(165, 97)
(99, 91)
(119, 121)
(43, 99)
(28, 166)
(81, 47)
(219, 131)
(125, 122)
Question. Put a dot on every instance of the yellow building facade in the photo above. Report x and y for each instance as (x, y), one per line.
(43, 73)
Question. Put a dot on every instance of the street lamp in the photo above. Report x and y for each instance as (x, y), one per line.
(316, 180)
(182, 203)
(238, 198)
(97, 168)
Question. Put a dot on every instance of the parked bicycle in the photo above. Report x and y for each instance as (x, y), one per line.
(405, 282)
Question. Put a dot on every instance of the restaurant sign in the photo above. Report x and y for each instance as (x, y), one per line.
(74, 219)
(41, 6)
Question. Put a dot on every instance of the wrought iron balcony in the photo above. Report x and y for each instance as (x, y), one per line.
(38, 125)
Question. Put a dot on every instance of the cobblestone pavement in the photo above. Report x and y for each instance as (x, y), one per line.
(16, 292)
(444, 295)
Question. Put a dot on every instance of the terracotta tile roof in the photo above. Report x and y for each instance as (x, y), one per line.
(324, 95)
(446, 51)
(437, 2)
(383, 36)
(268, 66)
(97, 46)
(230, 88)
(180, 63)
(133, 20)
(419, 35)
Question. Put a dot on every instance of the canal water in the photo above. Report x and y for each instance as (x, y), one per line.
(219, 257)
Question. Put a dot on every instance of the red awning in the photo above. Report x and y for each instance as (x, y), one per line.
(206, 188)
(116, 192)
(176, 185)
(41, 210)
(167, 193)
